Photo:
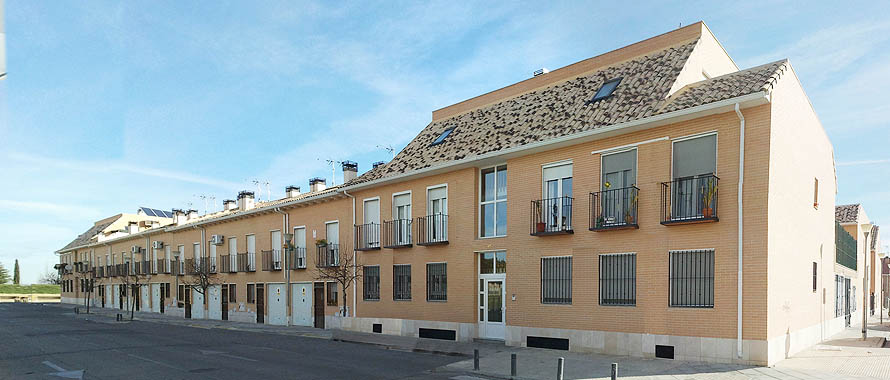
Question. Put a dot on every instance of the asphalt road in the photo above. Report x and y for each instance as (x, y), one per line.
(48, 342)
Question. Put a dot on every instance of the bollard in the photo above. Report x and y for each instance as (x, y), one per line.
(614, 371)
(513, 365)
(475, 359)
(76, 311)
(560, 364)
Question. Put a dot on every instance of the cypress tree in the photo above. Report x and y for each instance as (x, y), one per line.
(16, 277)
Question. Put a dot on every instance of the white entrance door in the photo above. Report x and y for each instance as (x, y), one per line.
(492, 323)
(301, 301)
(277, 305)
(146, 298)
(214, 307)
(197, 305)
(156, 298)
(109, 297)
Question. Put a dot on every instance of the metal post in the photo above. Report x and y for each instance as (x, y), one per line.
(865, 291)
(560, 364)
(513, 365)
(475, 359)
(614, 371)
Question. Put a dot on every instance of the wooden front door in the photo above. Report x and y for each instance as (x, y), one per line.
(163, 298)
(225, 302)
(260, 303)
(318, 305)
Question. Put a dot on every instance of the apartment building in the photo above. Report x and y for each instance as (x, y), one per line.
(651, 201)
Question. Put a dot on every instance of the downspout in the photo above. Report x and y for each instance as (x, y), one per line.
(203, 257)
(284, 226)
(354, 313)
(741, 224)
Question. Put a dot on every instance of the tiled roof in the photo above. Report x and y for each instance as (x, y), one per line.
(760, 78)
(88, 235)
(847, 213)
(563, 109)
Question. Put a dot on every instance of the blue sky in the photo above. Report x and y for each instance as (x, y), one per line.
(113, 105)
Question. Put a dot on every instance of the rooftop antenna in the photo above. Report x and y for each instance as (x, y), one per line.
(256, 183)
(388, 148)
(333, 164)
(212, 202)
(203, 197)
(268, 192)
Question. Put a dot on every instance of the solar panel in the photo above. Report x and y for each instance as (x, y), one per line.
(168, 214)
(148, 211)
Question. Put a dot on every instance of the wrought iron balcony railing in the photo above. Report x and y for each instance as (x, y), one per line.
(328, 255)
(689, 200)
(432, 229)
(272, 260)
(367, 237)
(551, 216)
(397, 233)
(614, 209)
(296, 258)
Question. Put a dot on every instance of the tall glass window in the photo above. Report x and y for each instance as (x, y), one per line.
(493, 202)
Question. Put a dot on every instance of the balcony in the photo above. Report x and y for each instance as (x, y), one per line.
(147, 269)
(177, 267)
(432, 230)
(397, 233)
(272, 260)
(190, 266)
(328, 255)
(689, 200)
(296, 258)
(137, 269)
(100, 272)
(162, 266)
(212, 265)
(552, 216)
(367, 237)
(614, 209)
(247, 262)
(226, 264)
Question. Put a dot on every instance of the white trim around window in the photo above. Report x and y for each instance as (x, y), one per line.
(481, 202)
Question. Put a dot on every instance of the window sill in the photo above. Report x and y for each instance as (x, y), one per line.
(691, 307)
(557, 303)
(403, 300)
(617, 305)
(492, 237)
(437, 301)
(373, 300)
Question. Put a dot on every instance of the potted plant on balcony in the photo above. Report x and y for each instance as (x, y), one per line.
(631, 207)
(321, 243)
(540, 226)
(600, 220)
(708, 192)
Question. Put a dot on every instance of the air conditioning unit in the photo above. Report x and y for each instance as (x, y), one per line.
(135, 249)
(216, 239)
(157, 244)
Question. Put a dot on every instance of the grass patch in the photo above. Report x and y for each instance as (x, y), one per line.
(29, 289)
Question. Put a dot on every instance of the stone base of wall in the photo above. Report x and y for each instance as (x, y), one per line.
(242, 316)
(464, 332)
(689, 348)
(784, 346)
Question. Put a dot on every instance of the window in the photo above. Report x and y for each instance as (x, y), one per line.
(606, 90)
(332, 294)
(401, 215)
(692, 278)
(436, 282)
(371, 281)
(401, 282)
(436, 221)
(251, 293)
(493, 202)
(442, 136)
(695, 157)
(556, 280)
(816, 192)
(233, 293)
(181, 293)
(618, 279)
(694, 184)
(167, 290)
(555, 210)
(300, 247)
(493, 262)
(815, 267)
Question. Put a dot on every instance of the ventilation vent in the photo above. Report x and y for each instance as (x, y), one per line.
(664, 352)
(377, 328)
(437, 334)
(544, 342)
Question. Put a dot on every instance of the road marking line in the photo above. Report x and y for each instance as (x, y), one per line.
(76, 374)
(53, 366)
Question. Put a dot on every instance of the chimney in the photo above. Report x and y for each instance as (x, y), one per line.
(317, 184)
(378, 163)
(229, 204)
(350, 171)
(132, 228)
(192, 214)
(245, 200)
(178, 216)
(292, 191)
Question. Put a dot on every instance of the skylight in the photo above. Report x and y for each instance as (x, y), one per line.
(442, 137)
(606, 90)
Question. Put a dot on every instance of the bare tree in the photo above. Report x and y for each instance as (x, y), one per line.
(133, 282)
(339, 265)
(201, 275)
(50, 277)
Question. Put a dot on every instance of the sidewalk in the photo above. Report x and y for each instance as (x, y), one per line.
(846, 356)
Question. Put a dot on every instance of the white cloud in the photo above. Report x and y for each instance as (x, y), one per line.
(864, 162)
(110, 166)
(48, 208)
